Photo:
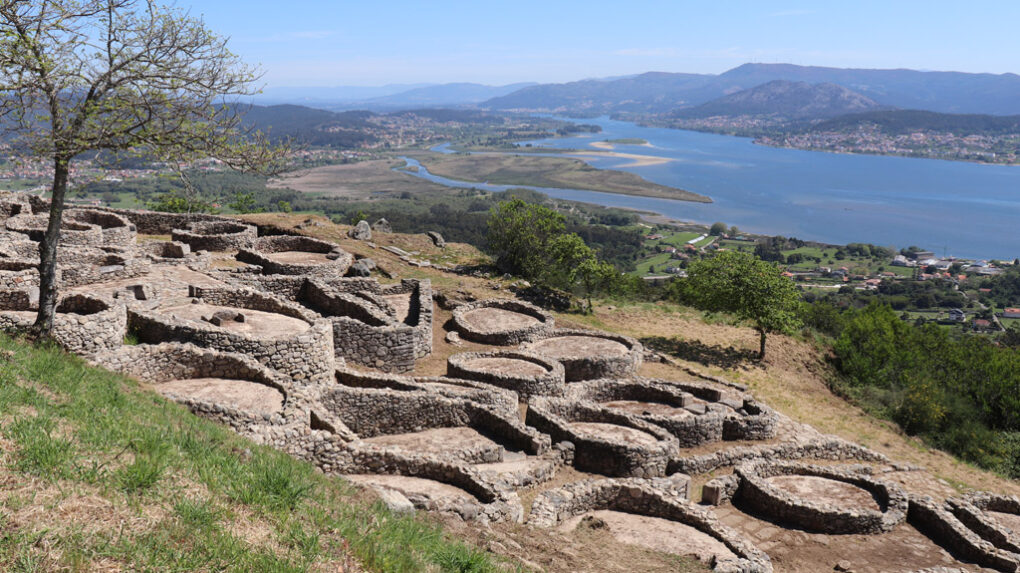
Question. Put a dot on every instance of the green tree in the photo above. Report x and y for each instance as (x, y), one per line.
(519, 234)
(742, 284)
(244, 203)
(717, 229)
(127, 76)
(574, 265)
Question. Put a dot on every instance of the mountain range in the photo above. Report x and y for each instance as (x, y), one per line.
(659, 92)
(388, 98)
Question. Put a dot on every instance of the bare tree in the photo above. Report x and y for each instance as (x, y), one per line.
(127, 76)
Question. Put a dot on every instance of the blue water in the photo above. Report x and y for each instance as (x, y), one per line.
(968, 209)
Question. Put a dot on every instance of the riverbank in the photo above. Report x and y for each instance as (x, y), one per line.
(552, 172)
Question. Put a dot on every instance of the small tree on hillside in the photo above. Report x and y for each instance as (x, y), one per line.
(79, 76)
(740, 283)
(717, 229)
(519, 235)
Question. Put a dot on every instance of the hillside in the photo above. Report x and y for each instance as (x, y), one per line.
(98, 473)
(785, 100)
(900, 122)
(657, 92)
(107, 474)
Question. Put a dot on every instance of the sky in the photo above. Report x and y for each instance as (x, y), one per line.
(372, 43)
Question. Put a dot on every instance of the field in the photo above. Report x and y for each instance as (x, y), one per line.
(555, 172)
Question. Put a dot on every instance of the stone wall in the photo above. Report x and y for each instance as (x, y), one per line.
(938, 522)
(226, 235)
(375, 412)
(970, 510)
(588, 366)
(600, 455)
(339, 259)
(828, 448)
(116, 230)
(307, 356)
(157, 223)
(173, 361)
(662, 498)
(71, 232)
(83, 325)
(502, 336)
(498, 398)
(550, 383)
(756, 492)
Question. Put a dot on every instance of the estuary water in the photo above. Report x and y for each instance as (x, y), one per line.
(962, 209)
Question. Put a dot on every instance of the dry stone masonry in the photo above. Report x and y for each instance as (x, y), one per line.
(294, 344)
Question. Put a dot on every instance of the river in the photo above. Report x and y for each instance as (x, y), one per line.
(962, 209)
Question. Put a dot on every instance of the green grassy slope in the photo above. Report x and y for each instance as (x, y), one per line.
(99, 473)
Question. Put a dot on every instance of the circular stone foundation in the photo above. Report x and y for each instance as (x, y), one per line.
(279, 334)
(117, 230)
(501, 322)
(71, 232)
(208, 382)
(605, 441)
(526, 373)
(588, 355)
(296, 255)
(82, 324)
(215, 235)
(820, 498)
(240, 394)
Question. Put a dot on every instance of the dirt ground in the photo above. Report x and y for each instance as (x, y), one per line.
(298, 257)
(792, 550)
(436, 440)
(511, 366)
(240, 394)
(497, 320)
(256, 322)
(412, 486)
(613, 433)
(573, 346)
(828, 491)
(654, 533)
(647, 408)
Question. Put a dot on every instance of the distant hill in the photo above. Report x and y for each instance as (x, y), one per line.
(906, 121)
(311, 126)
(785, 100)
(649, 92)
(442, 95)
(388, 98)
(330, 95)
(659, 92)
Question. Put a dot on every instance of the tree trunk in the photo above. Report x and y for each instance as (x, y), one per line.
(48, 251)
(761, 350)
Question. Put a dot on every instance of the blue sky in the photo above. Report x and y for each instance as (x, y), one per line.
(329, 43)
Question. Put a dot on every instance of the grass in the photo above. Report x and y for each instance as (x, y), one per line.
(99, 473)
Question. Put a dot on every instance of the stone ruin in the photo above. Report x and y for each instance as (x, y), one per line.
(273, 336)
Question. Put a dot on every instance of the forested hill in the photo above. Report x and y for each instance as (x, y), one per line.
(905, 121)
(311, 126)
(789, 100)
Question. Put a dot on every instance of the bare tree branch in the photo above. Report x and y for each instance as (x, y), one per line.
(78, 76)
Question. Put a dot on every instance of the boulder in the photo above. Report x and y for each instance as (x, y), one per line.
(361, 268)
(437, 239)
(382, 226)
(361, 231)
